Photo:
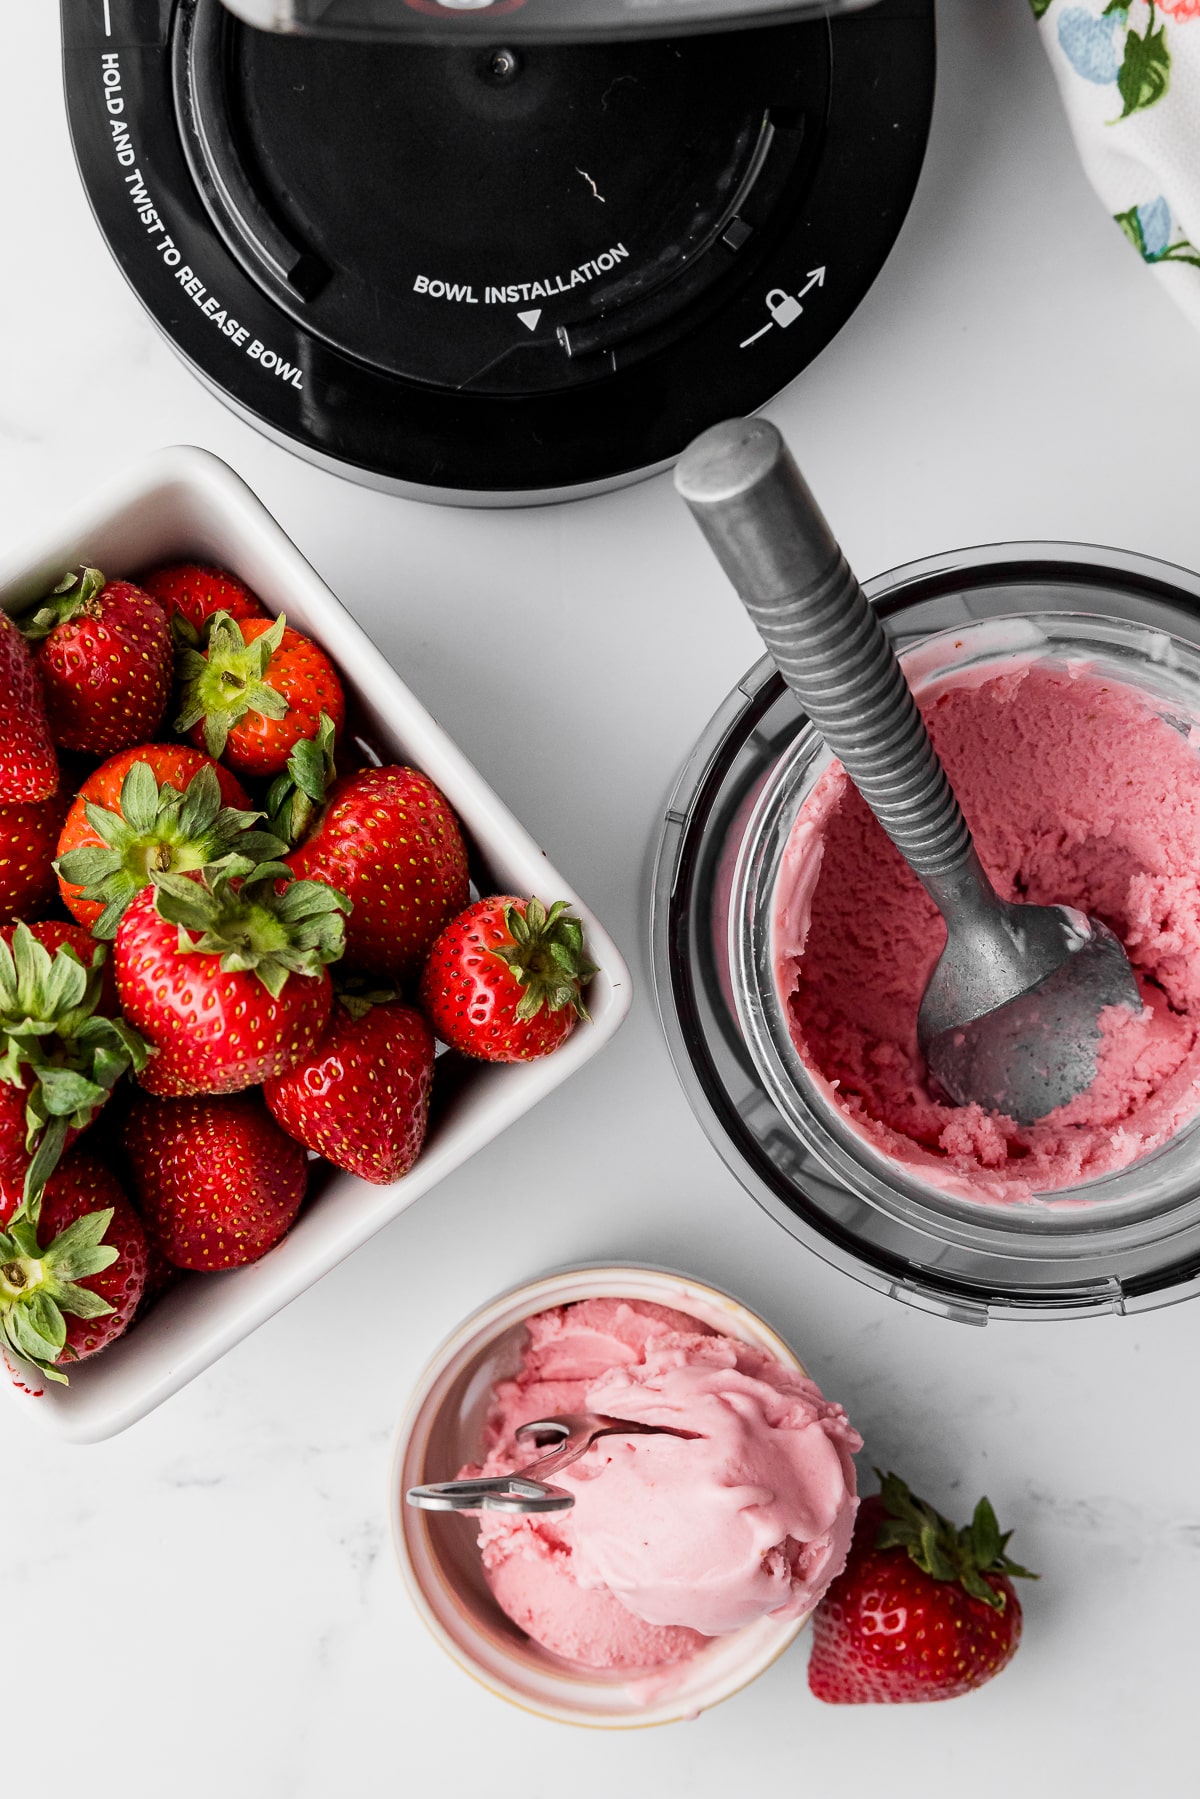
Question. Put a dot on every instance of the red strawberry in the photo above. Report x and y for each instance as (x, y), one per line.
(503, 980)
(28, 768)
(72, 1276)
(62, 1045)
(389, 840)
(244, 999)
(361, 1098)
(124, 827)
(161, 1276)
(188, 591)
(920, 1611)
(254, 690)
(28, 841)
(105, 652)
(217, 1182)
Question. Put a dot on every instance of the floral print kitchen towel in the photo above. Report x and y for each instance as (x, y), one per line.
(1129, 71)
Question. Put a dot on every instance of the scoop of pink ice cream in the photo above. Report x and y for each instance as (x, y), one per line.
(671, 1540)
(1078, 792)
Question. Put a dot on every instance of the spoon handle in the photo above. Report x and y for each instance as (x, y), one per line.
(770, 536)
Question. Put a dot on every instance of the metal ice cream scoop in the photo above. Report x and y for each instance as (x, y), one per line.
(526, 1490)
(1010, 1017)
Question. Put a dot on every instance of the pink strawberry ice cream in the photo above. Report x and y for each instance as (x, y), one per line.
(671, 1540)
(1077, 791)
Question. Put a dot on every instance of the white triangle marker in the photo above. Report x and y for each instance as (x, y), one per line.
(530, 319)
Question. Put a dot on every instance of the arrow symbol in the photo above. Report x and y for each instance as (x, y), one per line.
(530, 319)
(816, 278)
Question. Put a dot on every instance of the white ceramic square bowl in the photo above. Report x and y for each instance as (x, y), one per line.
(186, 504)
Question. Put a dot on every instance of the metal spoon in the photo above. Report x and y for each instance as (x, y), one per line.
(1010, 1017)
(526, 1490)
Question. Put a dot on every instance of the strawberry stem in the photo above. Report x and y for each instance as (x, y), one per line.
(546, 957)
(943, 1551)
(158, 831)
(228, 678)
(256, 918)
(78, 591)
(39, 1285)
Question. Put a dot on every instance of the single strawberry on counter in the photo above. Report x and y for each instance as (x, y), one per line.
(389, 840)
(29, 836)
(244, 997)
(28, 766)
(504, 980)
(159, 809)
(216, 1180)
(361, 1097)
(106, 657)
(63, 1044)
(253, 689)
(72, 1270)
(193, 593)
(920, 1611)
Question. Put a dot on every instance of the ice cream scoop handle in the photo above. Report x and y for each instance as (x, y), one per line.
(771, 538)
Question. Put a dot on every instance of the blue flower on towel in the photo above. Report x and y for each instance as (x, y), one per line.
(1148, 228)
(1088, 45)
(1155, 221)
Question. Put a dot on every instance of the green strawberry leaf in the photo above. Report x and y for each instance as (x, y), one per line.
(65, 1092)
(295, 796)
(81, 1301)
(985, 1541)
(139, 799)
(41, 1326)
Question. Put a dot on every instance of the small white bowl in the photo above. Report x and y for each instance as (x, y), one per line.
(438, 1551)
(186, 504)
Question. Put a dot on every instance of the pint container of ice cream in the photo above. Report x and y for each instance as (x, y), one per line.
(1061, 686)
(691, 1555)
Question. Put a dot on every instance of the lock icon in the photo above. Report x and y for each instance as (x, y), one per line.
(784, 308)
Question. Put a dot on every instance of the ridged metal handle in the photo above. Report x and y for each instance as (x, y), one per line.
(768, 533)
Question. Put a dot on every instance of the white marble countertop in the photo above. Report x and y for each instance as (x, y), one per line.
(208, 1603)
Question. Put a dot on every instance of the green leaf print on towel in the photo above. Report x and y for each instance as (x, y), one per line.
(1145, 72)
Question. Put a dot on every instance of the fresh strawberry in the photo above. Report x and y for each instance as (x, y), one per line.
(389, 840)
(124, 827)
(216, 1180)
(62, 1046)
(105, 652)
(72, 1275)
(920, 1611)
(503, 981)
(254, 690)
(361, 1098)
(161, 1275)
(28, 767)
(187, 591)
(28, 840)
(245, 998)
